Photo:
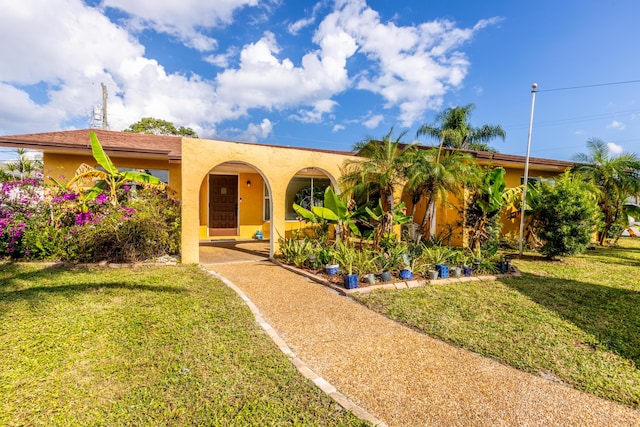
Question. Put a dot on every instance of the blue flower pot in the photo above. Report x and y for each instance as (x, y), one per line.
(406, 274)
(443, 270)
(351, 281)
(503, 267)
(467, 271)
(332, 269)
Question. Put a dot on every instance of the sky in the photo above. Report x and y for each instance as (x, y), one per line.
(326, 74)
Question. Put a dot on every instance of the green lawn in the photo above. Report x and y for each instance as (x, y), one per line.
(143, 347)
(575, 321)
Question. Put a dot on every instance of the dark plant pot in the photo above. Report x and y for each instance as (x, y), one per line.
(332, 269)
(443, 270)
(433, 275)
(385, 276)
(503, 267)
(351, 281)
(406, 274)
(467, 271)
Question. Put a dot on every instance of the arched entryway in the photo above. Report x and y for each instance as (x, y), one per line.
(235, 204)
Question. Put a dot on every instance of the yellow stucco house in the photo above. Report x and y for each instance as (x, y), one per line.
(230, 189)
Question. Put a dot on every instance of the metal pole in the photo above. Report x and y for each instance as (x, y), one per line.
(526, 168)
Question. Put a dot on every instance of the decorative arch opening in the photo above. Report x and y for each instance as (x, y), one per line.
(306, 188)
(235, 203)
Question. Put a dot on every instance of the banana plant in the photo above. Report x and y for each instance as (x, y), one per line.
(335, 211)
(110, 179)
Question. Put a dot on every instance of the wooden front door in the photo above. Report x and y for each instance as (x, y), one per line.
(223, 205)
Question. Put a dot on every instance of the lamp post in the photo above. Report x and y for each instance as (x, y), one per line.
(526, 168)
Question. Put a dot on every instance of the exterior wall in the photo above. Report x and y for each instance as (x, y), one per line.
(276, 165)
(62, 167)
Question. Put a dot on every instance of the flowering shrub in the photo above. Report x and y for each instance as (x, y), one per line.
(49, 223)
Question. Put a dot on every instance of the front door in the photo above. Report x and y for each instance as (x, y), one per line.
(223, 205)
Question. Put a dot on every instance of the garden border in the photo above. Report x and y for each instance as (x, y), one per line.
(401, 284)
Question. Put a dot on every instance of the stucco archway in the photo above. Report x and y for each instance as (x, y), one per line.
(277, 165)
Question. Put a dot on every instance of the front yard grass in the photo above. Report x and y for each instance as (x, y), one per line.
(576, 321)
(145, 347)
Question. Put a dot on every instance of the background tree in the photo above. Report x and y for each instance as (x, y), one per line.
(567, 214)
(23, 167)
(616, 178)
(453, 129)
(152, 126)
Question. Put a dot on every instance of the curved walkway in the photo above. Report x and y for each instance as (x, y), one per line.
(401, 376)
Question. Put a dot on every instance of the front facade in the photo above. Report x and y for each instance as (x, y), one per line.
(232, 190)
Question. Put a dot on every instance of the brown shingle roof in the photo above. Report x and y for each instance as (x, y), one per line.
(113, 142)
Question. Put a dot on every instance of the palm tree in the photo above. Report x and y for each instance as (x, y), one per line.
(432, 176)
(616, 177)
(24, 167)
(453, 129)
(382, 164)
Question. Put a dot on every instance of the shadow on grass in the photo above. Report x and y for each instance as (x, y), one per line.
(12, 274)
(610, 314)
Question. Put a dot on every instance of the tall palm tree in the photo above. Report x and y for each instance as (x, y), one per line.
(432, 176)
(616, 176)
(453, 129)
(381, 163)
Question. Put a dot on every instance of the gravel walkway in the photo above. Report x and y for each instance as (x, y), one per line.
(401, 376)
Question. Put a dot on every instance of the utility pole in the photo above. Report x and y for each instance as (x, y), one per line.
(105, 125)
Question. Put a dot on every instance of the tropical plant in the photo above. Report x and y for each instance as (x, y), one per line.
(383, 164)
(345, 256)
(433, 176)
(568, 216)
(380, 218)
(483, 215)
(616, 178)
(390, 257)
(437, 254)
(23, 167)
(364, 261)
(335, 211)
(110, 179)
(295, 251)
(453, 129)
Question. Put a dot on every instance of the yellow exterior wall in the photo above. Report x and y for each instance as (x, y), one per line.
(278, 165)
(62, 167)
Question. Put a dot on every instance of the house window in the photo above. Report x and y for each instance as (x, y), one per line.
(306, 192)
(266, 206)
(531, 180)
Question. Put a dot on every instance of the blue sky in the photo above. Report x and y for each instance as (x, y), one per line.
(326, 74)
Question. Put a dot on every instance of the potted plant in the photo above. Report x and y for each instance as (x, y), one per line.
(389, 260)
(365, 265)
(345, 256)
(407, 272)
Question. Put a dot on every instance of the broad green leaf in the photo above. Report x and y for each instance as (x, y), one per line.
(100, 156)
(305, 213)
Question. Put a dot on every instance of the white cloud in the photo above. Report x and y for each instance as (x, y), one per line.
(337, 128)
(183, 19)
(373, 122)
(615, 149)
(616, 125)
(414, 65)
(265, 81)
(257, 131)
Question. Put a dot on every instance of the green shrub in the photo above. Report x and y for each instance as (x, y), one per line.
(568, 216)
